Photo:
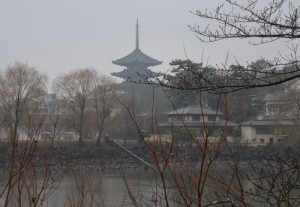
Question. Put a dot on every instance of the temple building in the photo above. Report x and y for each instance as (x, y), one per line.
(136, 63)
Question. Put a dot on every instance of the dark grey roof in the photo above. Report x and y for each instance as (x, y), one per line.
(132, 74)
(270, 97)
(199, 124)
(137, 59)
(196, 109)
(268, 123)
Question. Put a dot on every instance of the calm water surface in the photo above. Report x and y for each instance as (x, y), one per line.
(112, 190)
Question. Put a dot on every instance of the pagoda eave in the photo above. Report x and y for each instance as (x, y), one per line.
(130, 74)
(136, 63)
(137, 57)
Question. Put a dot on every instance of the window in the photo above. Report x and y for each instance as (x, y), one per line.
(271, 140)
(263, 130)
(211, 118)
(262, 140)
(174, 118)
(286, 130)
(199, 133)
(196, 117)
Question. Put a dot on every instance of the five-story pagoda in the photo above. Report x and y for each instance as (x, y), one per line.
(136, 63)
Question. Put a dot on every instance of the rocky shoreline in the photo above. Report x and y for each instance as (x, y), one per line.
(77, 158)
(112, 157)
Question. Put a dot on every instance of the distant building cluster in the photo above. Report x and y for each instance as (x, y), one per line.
(278, 122)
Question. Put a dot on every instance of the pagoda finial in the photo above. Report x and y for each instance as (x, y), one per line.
(137, 34)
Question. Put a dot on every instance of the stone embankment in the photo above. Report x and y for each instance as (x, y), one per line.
(111, 156)
(77, 158)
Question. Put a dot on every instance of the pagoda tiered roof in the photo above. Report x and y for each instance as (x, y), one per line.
(137, 59)
(131, 74)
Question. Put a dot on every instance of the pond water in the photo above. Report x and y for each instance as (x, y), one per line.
(112, 190)
(109, 189)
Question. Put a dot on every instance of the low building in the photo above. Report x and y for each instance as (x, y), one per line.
(276, 124)
(263, 132)
(276, 106)
(199, 122)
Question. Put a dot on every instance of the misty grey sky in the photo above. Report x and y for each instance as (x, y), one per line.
(57, 36)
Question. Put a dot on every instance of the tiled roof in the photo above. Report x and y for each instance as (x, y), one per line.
(220, 123)
(270, 97)
(196, 109)
(268, 123)
(137, 57)
(129, 74)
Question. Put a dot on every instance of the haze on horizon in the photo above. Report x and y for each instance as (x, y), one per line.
(59, 36)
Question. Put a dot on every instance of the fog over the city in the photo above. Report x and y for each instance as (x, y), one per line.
(58, 36)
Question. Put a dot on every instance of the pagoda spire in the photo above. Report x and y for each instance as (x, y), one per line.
(137, 34)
